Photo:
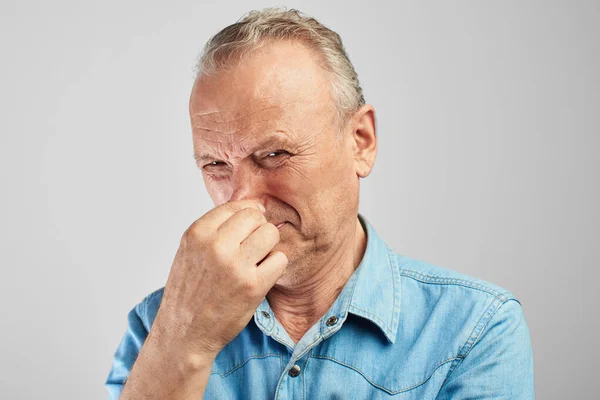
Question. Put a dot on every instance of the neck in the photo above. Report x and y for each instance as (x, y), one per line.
(298, 305)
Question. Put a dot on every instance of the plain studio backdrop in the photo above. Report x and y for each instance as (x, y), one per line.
(488, 124)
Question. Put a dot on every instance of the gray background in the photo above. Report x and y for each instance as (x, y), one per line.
(488, 121)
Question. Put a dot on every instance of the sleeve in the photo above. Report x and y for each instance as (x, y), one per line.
(127, 352)
(499, 365)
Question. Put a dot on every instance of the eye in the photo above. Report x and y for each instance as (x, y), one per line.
(272, 159)
(275, 154)
(213, 164)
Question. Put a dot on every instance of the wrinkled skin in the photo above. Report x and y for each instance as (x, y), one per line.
(265, 129)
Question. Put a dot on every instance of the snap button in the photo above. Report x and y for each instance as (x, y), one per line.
(265, 314)
(294, 371)
(331, 320)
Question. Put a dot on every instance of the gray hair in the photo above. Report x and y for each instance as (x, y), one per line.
(257, 27)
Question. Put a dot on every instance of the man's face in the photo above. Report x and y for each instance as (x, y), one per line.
(266, 130)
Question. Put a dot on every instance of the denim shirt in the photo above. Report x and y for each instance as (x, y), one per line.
(400, 328)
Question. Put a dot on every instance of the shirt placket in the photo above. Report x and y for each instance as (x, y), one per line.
(292, 381)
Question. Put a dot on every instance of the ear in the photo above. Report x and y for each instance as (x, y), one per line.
(364, 140)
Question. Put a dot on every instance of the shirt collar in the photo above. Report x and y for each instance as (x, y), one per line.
(376, 295)
(372, 292)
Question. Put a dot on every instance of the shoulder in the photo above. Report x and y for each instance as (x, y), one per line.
(429, 276)
(477, 324)
(460, 308)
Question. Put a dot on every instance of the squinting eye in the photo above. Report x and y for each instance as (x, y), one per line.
(214, 163)
(275, 154)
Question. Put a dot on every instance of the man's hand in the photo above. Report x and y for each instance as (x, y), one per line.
(223, 269)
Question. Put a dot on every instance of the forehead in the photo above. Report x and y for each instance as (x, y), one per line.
(280, 87)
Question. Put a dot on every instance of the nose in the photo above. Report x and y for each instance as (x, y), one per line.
(245, 184)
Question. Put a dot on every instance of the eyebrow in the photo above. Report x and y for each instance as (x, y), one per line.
(272, 140)
(201, 158)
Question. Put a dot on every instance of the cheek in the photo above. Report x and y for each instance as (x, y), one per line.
(306, 185)
(293, 180)
(219, 190)
(284, 185)
(332, 187)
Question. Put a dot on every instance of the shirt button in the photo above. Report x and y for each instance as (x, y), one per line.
(331, 320)
(265, 314)
(294, 371)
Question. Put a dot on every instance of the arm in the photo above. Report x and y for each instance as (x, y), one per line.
(222, 270)
(147, 367)
(499, 365)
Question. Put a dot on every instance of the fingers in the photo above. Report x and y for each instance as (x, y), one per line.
(271, 269)
(241, 225)
(258, 244)
(218, 215)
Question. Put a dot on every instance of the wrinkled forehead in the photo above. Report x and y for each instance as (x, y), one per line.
(256, 115)
(281, 84)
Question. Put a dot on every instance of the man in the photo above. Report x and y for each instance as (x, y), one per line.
(283, 290)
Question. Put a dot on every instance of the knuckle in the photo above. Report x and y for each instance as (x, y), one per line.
(249, 287)
(221, 251)
(191, 235)
(196, 231)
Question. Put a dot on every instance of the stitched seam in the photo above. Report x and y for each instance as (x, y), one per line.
(475, 335)
(479, 328)
(454, 281)
(281, 359)
(389, 263)
(304, 376)
(454, 365)
(223, 375)
(438, 279)
(309, 347)
(382, 387)
(281, 341)
(304, 380)
(397, 291)
(490, 317)
(279, 381)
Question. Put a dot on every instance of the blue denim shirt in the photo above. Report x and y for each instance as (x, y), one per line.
(401, 328)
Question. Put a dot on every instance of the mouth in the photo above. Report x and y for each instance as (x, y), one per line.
(279, 226)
